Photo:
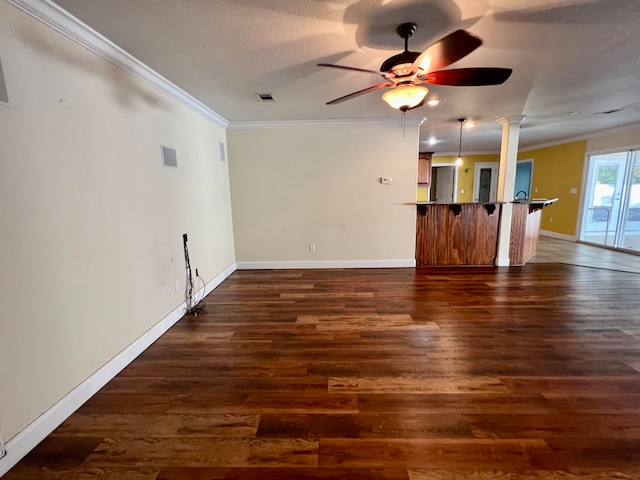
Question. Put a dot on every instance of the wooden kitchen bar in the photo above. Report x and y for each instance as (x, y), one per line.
(525, 228)
(466, 234)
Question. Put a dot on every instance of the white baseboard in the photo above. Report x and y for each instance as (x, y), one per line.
(560, 236)
(209, 287)
(34, 433)
(280, 265)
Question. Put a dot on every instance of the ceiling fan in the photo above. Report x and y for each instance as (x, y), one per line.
(405, 72)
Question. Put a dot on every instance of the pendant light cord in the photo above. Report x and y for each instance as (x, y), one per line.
(461, 120)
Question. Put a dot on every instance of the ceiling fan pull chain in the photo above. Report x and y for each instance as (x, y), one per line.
(403, 123)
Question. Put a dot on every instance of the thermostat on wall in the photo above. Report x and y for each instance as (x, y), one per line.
(385, 180)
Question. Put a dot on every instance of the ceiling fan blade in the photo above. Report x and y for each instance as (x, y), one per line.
(469, 77)
(358, 93)
(343, 67)
(446, 51)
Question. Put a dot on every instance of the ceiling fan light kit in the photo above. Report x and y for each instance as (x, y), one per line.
(405, 97)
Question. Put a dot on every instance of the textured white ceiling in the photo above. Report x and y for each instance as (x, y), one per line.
(567, 56)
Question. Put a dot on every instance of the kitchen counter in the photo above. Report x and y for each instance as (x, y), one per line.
(525, 228)
(541, 202)
(467, 233)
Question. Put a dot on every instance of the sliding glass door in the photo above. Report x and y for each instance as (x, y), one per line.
(630, 228)
(611, 212)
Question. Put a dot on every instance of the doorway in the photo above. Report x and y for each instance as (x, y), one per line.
(611, 206)
(443, 184)
(485, 182)
(524, 173)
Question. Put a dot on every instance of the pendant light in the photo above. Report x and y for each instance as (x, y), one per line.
(459, 160)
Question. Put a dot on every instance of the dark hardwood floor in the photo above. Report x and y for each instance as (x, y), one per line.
(396, 374)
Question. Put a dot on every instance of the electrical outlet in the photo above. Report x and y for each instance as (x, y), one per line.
(550, 219)
(312, 247)
(177, 285)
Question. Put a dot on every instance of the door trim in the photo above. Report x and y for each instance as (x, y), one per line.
(455, 178)
(493, 191)
(531, 161)
(616, 225)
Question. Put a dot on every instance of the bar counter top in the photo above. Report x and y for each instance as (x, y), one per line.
(530, 201)
(536, 201)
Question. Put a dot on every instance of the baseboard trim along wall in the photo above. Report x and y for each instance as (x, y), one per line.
(27, 439)
(560, 236)
(400, 263)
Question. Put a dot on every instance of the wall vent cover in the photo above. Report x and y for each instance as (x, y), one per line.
(169, 157)
(3, 451)
(266, 97)
(4, 96)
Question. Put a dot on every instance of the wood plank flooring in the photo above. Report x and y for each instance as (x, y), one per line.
(392, 374)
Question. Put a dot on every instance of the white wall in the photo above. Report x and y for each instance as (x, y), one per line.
(294, 186)
(92, 222)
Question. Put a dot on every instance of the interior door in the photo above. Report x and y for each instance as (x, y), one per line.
(444, 184)
(524, 171)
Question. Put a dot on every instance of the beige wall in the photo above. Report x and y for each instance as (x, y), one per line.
(92, 222)
(292, 187)
(617, 141)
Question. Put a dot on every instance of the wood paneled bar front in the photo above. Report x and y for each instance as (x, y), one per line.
(525, 228)
(457, 234)
(466, 234)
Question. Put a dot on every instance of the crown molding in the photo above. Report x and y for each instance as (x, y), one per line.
(62, 21)
(467, 154)
(586, 136)
(553, 143)
(380, 122)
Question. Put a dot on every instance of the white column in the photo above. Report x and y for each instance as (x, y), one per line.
(506, 182)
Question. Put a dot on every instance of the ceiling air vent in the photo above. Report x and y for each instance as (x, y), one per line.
(609, 112)
(266, 97)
